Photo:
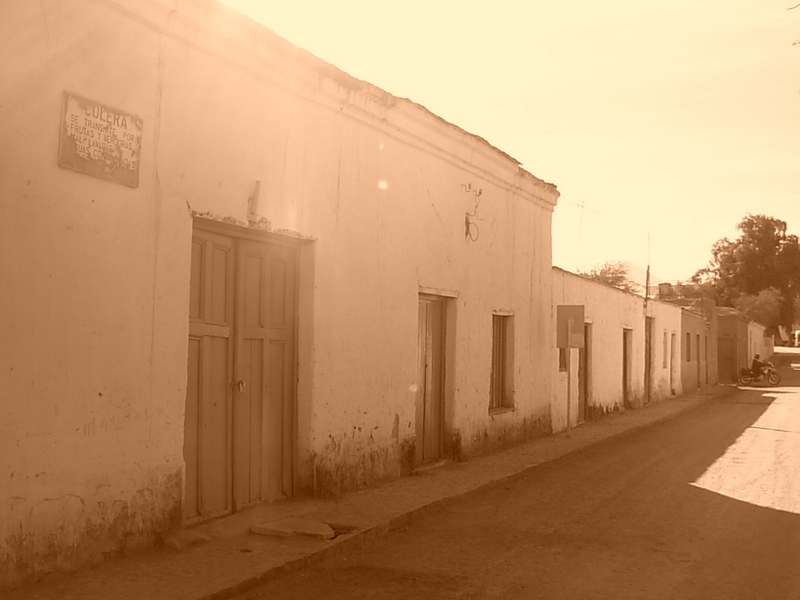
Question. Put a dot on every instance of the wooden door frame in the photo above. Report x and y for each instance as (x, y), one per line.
(442, 419)
(205, 330)
(585, 373)
(673, 349)
(627, 366)
(649, 353)
(237, 233)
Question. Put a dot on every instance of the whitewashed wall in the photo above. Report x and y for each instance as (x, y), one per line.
(98, 273)
(666, 374)
(94, 327)
(758, 343)
(609, 310)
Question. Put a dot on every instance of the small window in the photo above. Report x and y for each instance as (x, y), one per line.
(688, 347)
(501, 387)
(666, 351)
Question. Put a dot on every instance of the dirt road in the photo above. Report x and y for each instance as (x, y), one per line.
(705, 506)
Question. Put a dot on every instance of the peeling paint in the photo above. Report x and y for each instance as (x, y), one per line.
(229, 220)
(68, 532)
(502, 435)
(595, 412)
(134, 272)
(408, 453)
(347, 463)
(456, 448)
(634, 400)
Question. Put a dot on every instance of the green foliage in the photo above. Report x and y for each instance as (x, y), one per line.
(695, 288)
(764, 307)
(764, 257)
(613, 273)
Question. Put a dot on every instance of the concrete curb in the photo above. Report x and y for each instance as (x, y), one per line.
(348, 542)
(380, 531)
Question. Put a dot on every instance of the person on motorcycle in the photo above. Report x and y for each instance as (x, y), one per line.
(758, 368)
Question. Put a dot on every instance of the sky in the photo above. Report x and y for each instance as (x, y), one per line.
(661, 123)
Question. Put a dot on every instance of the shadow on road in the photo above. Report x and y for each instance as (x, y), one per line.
(704, 506)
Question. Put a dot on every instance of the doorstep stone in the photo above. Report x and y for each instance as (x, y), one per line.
(182, 540)
(294, 526)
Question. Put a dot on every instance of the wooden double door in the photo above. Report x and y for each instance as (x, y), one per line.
(239, 425)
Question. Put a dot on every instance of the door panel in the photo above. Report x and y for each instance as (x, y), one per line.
(207, 429)
(192, 427)
(278, 283)
(627, 347)
(648, 358)
(430, 394)
(196, 288)
(214, 431)
(248, 434)
(248, 415)
(253, 281)
(219, 292)
(240, 395)
(277, 425)
(584, 373)
(672, 364)
(280, 361)
(263, 453)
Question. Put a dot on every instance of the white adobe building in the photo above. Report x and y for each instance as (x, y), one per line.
(233, 273)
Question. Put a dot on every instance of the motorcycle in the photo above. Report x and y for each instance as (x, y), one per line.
(746, 376)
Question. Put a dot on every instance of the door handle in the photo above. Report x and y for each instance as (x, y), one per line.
(241, 385)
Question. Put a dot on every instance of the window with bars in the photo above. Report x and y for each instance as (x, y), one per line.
(501, 388)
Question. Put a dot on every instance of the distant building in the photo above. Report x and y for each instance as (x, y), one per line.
(740, 339)
(699, 331)
(631, 353)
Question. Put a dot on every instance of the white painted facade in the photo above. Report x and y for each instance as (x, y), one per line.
(761, 344)
(609, 311)
(375, 191)
(666, 349)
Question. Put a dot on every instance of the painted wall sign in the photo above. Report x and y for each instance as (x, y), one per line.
(100, 141)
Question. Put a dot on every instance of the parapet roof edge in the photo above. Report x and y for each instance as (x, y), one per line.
(263, 34)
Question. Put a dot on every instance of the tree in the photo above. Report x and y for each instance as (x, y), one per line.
(764, 307)
(613, 273)
(763, 257)
(695, 288)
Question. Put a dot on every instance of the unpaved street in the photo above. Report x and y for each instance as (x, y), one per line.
(705, 506)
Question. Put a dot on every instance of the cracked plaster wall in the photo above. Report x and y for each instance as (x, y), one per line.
(93, 383)
(91, 445)
(379, 185)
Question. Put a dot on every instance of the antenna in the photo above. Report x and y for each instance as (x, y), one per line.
(580, 221)
(647, 279)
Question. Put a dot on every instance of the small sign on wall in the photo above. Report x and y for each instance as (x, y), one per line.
(100, 141)
(569, 326)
